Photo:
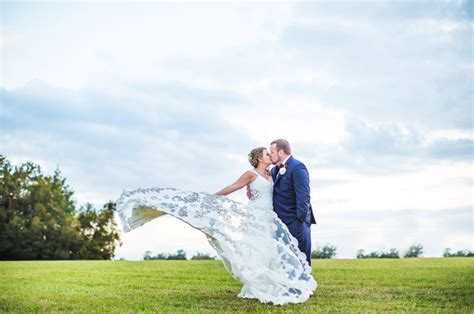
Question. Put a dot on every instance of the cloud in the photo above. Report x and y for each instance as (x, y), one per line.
(385, 148)
(398, 140)
(388, 63)
(371, 231)
(434, 185)
(6, 40)
(462, 149)
(375, 98)
(118, 141)
(388, 10)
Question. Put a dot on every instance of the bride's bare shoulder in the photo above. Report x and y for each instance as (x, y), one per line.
(249, 174)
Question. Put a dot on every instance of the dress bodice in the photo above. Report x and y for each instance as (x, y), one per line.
(262, 192)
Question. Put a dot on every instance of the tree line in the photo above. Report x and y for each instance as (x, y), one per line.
(179, 255)
(416, 250)
(39, 220)
(325, 252)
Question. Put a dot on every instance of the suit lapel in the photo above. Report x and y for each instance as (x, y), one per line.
(277, 179)
(287, 166)
(274, 175)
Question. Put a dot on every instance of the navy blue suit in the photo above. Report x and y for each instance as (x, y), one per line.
(292, 203)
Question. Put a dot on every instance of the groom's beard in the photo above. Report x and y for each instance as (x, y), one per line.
(277, 162)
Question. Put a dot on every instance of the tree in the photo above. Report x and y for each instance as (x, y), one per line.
(392, 253)
(460, 253)
(447, 252)
(38, 217)
(416, 250)
(203, 256)
(180, 255)
(148, 256)
(99, 234)
(361, 254)
(327, 251)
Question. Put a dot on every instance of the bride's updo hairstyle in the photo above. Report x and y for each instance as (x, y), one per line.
(254, 155)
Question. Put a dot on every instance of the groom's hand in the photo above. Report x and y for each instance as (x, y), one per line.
(249, 193)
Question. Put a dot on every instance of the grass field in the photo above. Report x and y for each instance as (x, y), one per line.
(429, 285)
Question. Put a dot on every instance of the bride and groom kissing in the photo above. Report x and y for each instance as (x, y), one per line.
(265, 244)
(291, 189)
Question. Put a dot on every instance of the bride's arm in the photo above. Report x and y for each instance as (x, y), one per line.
(244, 179)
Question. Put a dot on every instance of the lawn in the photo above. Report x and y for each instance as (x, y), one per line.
(419, 284)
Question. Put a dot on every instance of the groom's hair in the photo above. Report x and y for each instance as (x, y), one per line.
(282, 144)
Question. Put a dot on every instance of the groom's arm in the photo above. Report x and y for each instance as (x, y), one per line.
(302, 191)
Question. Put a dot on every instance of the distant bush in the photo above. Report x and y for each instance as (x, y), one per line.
(361, 254)
(392, 253)
(327, 251)
(416, 250)
(461, 253)
(203, 256)
(179, 255)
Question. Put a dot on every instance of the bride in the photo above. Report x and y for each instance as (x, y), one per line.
(255, 246)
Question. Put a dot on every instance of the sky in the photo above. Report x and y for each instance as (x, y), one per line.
(375, 97)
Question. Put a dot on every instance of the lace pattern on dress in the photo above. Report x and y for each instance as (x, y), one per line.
(254, 244)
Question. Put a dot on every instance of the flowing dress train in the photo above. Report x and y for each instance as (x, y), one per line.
(254, 245)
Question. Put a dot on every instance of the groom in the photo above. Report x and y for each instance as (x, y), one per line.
(291, 194)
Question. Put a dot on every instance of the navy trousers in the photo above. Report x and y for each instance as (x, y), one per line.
(302, 232)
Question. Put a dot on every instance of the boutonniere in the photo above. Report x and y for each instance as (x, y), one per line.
(282, 170)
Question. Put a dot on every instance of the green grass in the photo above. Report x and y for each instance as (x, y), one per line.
(427, 285)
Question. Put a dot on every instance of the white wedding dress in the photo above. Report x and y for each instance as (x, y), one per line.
(254, 244)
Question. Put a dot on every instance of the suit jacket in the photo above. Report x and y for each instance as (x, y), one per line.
(291, 193)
